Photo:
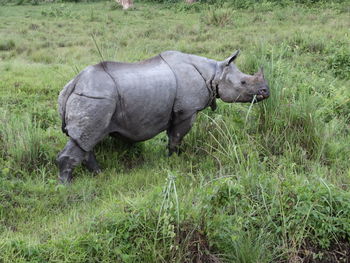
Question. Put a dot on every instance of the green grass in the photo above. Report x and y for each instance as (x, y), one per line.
(262, 183)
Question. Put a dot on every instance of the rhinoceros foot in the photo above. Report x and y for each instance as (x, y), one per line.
(91, 164)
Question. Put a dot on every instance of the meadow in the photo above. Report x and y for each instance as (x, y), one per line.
(255, 183)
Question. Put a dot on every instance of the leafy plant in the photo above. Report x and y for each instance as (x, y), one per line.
(339, 63)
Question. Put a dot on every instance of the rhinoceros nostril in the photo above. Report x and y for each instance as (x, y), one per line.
(261, 91)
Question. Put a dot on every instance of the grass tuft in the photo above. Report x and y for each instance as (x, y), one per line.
(23, 142)
(339, 63)
(218, 16)
(6, 45)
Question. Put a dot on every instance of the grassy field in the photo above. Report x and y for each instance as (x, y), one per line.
(262, 183)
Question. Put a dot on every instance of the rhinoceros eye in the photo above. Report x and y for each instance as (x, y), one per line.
(243, 82)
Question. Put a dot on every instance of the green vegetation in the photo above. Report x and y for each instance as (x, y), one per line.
(255, 183)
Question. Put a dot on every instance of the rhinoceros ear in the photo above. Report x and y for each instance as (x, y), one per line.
(232, 58)
(261, 72)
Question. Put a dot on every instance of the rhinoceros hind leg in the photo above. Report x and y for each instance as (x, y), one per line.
(176, 132)
(71, 156)
(91, 163)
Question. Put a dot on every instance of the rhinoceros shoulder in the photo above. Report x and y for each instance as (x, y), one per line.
(193, 74)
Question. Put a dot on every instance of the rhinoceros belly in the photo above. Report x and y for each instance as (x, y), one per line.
(145, 101)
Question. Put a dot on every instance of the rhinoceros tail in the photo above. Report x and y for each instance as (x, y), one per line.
(62, 100)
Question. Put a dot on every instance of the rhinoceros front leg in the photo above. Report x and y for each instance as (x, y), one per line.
(70, 157)
(178, 129)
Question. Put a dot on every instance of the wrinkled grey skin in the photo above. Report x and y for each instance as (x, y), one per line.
(137, 101)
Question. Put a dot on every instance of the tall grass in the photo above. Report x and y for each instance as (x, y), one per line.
(218, 16)
(23, 141)
(264, 182)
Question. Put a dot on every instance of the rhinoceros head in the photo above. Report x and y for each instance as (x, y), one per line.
(235, 86)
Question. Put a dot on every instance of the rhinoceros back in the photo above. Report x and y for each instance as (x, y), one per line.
(147, 91)
(132, 99)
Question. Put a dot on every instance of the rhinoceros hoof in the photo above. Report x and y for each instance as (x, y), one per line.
(176, 150)
(97, 171)
(93, 167)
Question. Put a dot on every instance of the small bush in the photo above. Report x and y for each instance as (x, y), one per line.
(115, 6)
(242, 3)
(185, 7)
(20, 2)
(339, 64)
(58, 11)
(6, 45)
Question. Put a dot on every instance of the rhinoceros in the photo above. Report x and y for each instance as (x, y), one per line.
(137, 101)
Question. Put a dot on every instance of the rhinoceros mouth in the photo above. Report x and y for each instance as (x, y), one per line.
(260, 97)
(257, 98)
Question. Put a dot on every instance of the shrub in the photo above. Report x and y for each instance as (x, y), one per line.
(115, 6)
(6, 45)
(184, 7)
(339, 63)
(58, 11)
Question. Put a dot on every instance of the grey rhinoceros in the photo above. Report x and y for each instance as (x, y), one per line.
(137, 101)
